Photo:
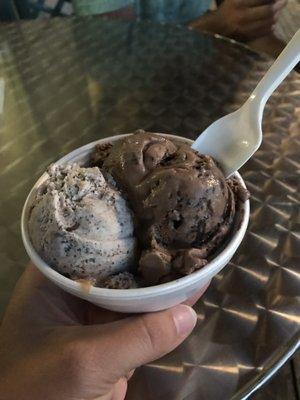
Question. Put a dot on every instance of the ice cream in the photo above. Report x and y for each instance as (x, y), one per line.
(81, 225)
(142, 211)
(183, 205)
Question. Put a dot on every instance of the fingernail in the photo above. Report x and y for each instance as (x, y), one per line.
(184, 318)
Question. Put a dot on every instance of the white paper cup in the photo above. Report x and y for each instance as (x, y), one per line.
(152, 298)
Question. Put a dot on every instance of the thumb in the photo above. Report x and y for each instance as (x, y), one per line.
(124, 345)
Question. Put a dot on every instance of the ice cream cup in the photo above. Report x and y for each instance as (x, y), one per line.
(146, 299)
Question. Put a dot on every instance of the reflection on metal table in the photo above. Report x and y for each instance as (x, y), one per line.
(71, 81)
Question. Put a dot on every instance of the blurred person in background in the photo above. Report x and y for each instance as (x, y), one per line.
(248, 21)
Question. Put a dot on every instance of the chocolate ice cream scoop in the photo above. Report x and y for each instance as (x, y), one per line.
(183, 204)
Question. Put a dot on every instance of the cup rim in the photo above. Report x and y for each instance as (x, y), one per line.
(206, 272)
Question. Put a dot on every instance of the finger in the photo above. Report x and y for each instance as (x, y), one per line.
(97, 315)
(119, 347)
(22, 297)
(276, 15)
(120, 389)
(118, 392)
(252, 3)
(266, 12)
(257, 29)
(129, 375)
(258, 34)
(86, 313)
(279, 4)
(193, 300)
(36, 302)
(32, 278)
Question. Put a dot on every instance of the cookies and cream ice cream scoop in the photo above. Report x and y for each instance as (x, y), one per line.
(81, 224)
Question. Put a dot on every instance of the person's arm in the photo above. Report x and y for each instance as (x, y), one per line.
(241, 19)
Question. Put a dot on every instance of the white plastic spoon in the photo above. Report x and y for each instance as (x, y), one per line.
(231, 140)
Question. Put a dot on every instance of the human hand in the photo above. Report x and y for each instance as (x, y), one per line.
(242, 19)
(54, 346)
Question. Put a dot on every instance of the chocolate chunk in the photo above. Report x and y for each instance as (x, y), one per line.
(154, 265)
(123, 280)
(188, 261)
(240, 193)
(99, 155)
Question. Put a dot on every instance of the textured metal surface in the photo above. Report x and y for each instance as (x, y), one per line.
(68, 82)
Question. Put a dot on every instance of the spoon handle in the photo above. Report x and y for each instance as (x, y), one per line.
(285, 62)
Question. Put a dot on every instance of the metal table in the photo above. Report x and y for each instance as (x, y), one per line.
(71, 81)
